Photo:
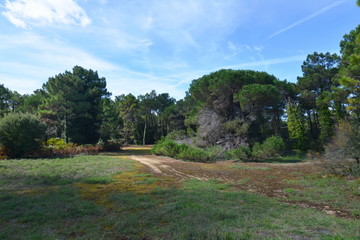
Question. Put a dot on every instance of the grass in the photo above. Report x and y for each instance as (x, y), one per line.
(212, 210)
(328, 190)
(137, 205)
(24, 173)
(245, 167)
(99, 180)
(284, 159)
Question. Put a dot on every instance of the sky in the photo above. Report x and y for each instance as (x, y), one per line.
(162, 45)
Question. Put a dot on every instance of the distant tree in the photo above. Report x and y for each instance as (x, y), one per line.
(260, 104)
(350, 70)
(318, 82)
(110, 120)
(128, 107)
(216, 90)
(5, 96)
(318, 72)
(31, 103)
(296, 127)
(73, 101)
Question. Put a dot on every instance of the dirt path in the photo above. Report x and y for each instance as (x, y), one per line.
(263, 178)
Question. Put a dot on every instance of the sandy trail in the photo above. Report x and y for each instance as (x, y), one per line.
(263, 178)
(161, 166)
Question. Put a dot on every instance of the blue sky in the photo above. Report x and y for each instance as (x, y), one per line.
(141, 45)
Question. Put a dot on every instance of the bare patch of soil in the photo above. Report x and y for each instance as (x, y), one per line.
(268, 179)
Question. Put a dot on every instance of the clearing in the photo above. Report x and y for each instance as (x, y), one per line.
(135, 195)
(269, 179)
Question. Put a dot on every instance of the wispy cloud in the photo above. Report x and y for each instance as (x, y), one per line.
(188, 77)
(26, 13)
(267, 62)
(315, 14)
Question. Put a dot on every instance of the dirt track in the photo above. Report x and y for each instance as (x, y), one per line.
(263, 178)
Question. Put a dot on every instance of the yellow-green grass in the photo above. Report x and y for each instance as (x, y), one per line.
(139, 205)
(338, 192)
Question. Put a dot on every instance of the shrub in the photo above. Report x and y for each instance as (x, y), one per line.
(194, 154)
(242, 153)
(273, 146)
(270, 148)
(57, 144)
(21, 133)
(342, 154)
(216, 153)
(110, 145)
(183, 151)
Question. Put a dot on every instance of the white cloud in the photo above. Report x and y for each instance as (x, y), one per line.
(188, 77)
(27, 13)
(267, 62)
(315, 14)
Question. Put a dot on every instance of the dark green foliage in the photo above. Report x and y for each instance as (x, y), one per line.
(270, 148)
(110, 146)
(147, 118)
(216, 89)
(73, 105)
(241, 153)
(237, 107)
(128, 107)
(326, 125)
(349, 46)
(5, 95)
(318, 72)
(256, 97)
(296, 127)
(316, 87)
(111, 122)
(170, 148)
(350, 71)
(21, 133)
(176, 135)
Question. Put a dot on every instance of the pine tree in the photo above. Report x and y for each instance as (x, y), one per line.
(296, 126)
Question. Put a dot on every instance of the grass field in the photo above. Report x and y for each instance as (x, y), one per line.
(112, 197)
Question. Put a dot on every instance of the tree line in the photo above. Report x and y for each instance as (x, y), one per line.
(228, 108)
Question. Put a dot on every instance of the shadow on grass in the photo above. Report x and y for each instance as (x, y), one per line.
(57, 214)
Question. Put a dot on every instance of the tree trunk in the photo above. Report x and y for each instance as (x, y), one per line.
(144, 134)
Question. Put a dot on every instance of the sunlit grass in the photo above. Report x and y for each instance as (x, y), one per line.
(110, 197)
(15, 174)
(328, 190)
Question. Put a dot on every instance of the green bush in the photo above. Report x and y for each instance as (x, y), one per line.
(21, 133)
(241, 153)
(216, 153)
(183, 151)
(270, 148)
(57, 144)
(166, 147)
(193, 154)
